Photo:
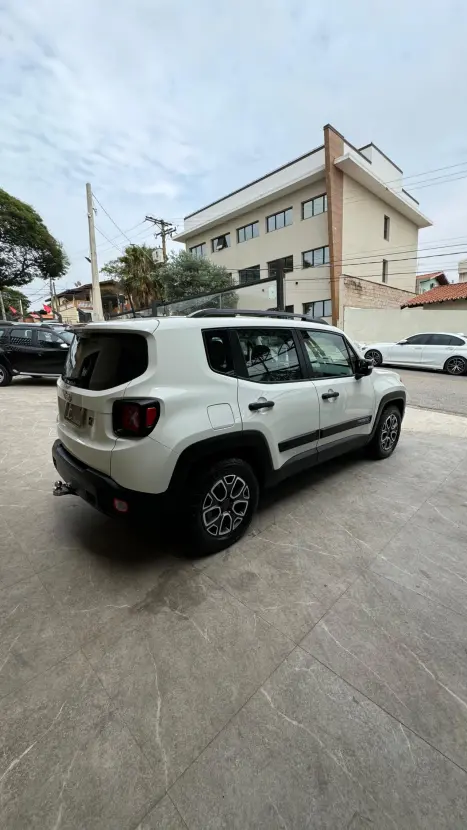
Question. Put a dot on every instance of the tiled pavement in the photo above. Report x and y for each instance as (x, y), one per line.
(313, 676)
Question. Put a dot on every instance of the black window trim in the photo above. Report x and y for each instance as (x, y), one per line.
(242, 228)
(277, 213)
(215, 238)
(200, 245)
(353, 357)
(312, 199)
(322, 248)
(386, 227)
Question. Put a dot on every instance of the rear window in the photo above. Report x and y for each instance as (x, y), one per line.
(101, 361)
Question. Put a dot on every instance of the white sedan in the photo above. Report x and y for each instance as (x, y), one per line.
(433, 350)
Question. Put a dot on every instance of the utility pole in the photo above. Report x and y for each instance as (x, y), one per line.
(96, 289)
(51, 289)
(2, 307)
(21, 307)
(165, 229)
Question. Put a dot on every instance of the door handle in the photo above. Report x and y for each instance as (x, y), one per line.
(260, 405)
(327, 396)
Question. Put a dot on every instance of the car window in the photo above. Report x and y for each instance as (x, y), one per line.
(270, 355)
(418, 339)
(21, 337)
(218, 351)
(48, 339)
(456, 341)
(67, 336)
(328, 354)
(440, 340)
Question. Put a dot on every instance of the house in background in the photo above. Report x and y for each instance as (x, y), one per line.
(425, 282)
(445, 297)
(75, 304)
(462, 268)
(330, 222)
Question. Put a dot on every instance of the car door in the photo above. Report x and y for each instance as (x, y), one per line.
(274, 394)
(409, 352)
(21, 351)
(346, 403)
(439, 348)
(51, 352)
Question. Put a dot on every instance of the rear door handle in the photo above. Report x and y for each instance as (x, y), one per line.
(327, 396)
(260, 405)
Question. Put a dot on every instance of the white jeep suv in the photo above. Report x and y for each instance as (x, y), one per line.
(197, 414)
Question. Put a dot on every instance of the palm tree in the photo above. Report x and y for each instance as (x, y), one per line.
(138, 274)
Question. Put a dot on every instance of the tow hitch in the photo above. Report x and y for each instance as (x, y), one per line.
(62, 489)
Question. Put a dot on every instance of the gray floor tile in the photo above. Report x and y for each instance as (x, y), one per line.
(284, 577)
(14, 563)
(33, 633)
(67, 759)
(164, 817)
(309, 751)
(446, 513)
(429, 563)
(405, 652)
(94, 590)
(190, 661)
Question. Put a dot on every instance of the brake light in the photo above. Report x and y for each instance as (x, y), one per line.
(135, 418)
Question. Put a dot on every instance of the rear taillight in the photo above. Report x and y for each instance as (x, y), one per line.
(136, 418)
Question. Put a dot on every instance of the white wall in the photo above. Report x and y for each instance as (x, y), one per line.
(363, 243)
(370, 325)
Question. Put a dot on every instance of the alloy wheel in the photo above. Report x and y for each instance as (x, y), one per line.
(455, 365)
(225, 505)
(389, 432)
(2, 374)
(374, 356)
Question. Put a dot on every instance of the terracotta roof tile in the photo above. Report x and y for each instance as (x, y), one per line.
(440, 294)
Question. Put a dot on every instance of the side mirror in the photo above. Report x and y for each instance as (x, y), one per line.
(363, 368)
(64, 345)
(401, 342)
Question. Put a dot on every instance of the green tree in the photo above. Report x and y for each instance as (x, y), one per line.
(12, 297)
(138, 275)
(27, 249)
(185, 276)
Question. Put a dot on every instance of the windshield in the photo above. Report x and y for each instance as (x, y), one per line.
(67, 336)
(103, 360)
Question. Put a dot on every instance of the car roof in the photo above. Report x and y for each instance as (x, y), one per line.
(150, 324)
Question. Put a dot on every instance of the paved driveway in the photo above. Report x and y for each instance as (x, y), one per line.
(435, 390)
(314, 676)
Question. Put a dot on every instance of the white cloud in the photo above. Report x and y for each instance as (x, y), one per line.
(164, 107)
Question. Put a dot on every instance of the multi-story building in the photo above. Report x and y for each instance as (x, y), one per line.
(335, 220)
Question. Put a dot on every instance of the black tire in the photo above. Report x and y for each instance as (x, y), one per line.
(455, 365)
(212, 517)
(375, 356)
(387, 433)
(5, 376)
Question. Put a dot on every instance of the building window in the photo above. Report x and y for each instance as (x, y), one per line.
(279, 220)
(385, 270)
(248, 232)
(220, 242)
(387, 226)
(313, 207)
(280, 267)
(318, 308)
(252, 274)
(198, 250)
(289, 309)
(316, 257)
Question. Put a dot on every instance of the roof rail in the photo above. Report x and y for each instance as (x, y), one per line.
(239, 312)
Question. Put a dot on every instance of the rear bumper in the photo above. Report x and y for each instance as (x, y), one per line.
(98, 489)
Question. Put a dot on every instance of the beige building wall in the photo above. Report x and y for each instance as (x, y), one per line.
(302, 285)
(373, 325)
(363, 243)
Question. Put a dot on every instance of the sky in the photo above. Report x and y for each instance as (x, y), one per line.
(165, 107)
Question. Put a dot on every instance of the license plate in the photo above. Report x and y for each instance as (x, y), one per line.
(74, 414)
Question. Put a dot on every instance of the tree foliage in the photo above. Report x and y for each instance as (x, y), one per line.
(138, 274)
(27, 249)
(184, 275)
